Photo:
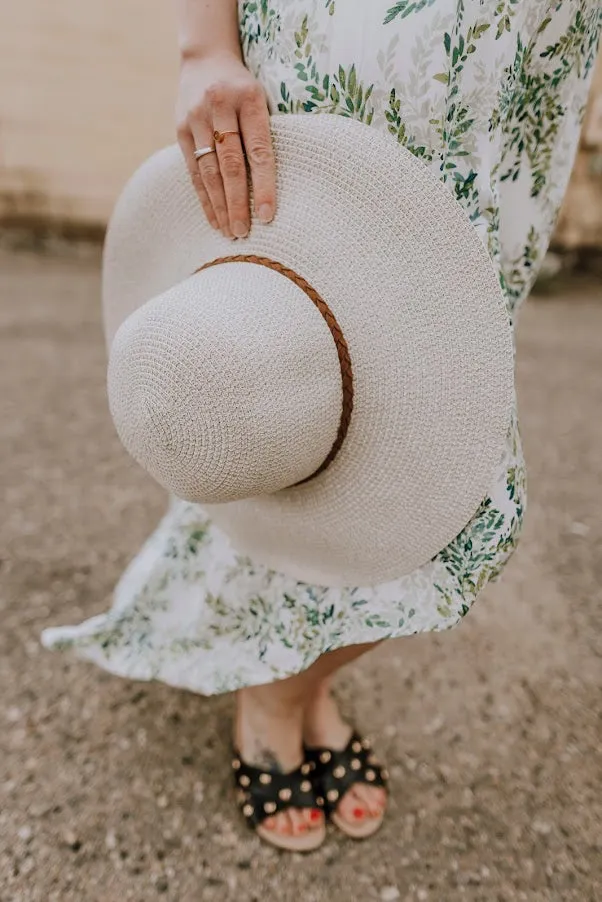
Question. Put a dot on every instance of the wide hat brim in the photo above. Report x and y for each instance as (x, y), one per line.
(391, 251)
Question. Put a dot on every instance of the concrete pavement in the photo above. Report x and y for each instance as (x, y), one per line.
(114, 791)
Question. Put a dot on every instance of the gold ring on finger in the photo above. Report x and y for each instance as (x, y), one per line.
(220, 136)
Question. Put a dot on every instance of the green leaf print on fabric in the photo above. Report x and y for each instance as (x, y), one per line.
(397, 127)
(578, 46)
(457, 122)
(189, 547)
(340, 92)
(466, 193)
(532, 102)
(505, 10)
(467, 556)
(456, 125)
(479, 553)
(520, 274)
(292, 624)
(406, 8)
(258, 23)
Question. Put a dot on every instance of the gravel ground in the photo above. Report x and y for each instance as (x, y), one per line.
(113, 791)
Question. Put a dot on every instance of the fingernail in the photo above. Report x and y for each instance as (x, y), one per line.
(358, 813)
(265, 213)
(240, 229)
(315, 815)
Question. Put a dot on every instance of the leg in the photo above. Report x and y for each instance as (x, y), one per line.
(323, 725)
(270, 725)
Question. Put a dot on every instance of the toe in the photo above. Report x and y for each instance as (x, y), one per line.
(306, 818)
(371, 797)
(314, 818)
(380, 795)
(352, 808)
(297, 821)
(282, 824)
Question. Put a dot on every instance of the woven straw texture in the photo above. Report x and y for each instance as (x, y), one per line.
(226, 384)
(339, 340)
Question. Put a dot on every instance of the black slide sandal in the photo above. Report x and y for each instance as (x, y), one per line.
(334, 772)
(263, 793)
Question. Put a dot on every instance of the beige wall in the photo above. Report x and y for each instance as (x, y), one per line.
(86, 93)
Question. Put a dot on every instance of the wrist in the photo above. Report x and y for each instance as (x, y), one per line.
(197, 53)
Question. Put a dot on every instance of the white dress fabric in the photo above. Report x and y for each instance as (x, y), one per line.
(488, 94)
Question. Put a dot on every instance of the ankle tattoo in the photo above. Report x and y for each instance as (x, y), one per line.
(264, 757)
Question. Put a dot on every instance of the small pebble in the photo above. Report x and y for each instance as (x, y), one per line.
(468, 798)
(434, 726)
(71, 839)
(25, 833)
(27, 865)
(389, 894)
(227, 839)
(541, 827)
(111, 840)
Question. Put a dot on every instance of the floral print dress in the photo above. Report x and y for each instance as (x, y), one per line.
(489, 94)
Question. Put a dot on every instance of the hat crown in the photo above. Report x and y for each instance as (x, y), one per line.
(227, 386)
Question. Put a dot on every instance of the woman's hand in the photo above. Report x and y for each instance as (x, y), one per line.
(218, 93)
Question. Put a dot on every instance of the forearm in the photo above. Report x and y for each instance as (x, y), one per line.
(206, 27)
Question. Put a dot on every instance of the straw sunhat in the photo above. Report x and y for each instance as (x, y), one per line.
(337, 392)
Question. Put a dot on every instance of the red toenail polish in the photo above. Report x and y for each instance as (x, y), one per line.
(315, 815)
(358, 812)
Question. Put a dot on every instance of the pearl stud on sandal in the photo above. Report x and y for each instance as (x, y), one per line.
(334, 772)
(263, 793)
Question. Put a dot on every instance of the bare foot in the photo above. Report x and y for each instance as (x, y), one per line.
(323, 726)
(269, 735)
